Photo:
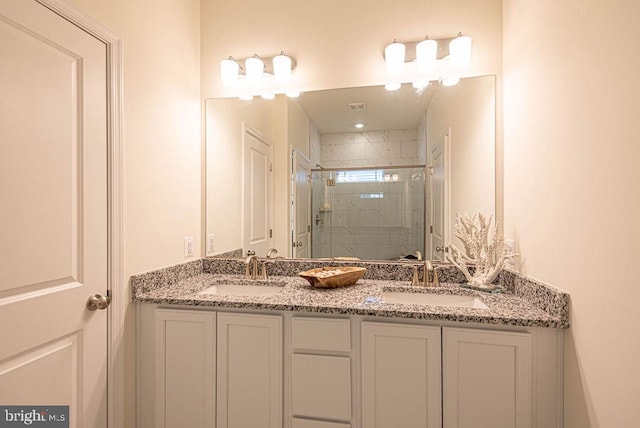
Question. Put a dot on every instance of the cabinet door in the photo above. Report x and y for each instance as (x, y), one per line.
(486, 379)
(249, 371)
(401, 376)
(321, 387)
(185, 364)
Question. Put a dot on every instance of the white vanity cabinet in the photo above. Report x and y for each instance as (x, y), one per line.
(249, 390)
(401, 376)
(269, 369)
(185, 362)
(205, 369)
(321, 372)
(486, 378)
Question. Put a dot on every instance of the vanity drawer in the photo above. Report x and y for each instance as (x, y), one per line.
(310, 423)
(321, 387)
(321, 334)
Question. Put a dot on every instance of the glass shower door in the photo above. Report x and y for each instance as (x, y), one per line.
(376, 213)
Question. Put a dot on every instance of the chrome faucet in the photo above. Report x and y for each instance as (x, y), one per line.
(251, 267)
(428, 268)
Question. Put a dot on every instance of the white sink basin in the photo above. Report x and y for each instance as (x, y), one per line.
(242, 290)
(448, 300)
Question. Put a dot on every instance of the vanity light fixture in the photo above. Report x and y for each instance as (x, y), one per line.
(394, 57)
(229, 71)
(420, 84)
(255, 69)
(422, 61)
(426, 54)
(450, 81)
(460, 51)
(392, 86)
(260, 76)
(281, 67)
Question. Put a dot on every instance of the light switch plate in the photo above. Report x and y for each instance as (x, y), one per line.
(210, 243)
(188, 246)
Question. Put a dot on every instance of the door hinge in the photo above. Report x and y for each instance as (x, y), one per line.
(270, 233)
(270, 166)
(431, 229)
(430, 170)
(308, 228)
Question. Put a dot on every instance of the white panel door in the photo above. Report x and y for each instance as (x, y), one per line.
(185, 368)
(439, 199)
(257, 193)
(401, 376)
(486, 379)
(301, 205)
(249, 388)
(53, 216)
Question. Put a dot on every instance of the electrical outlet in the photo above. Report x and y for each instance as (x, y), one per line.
(210, 241)
(510, 245)
(188, 246)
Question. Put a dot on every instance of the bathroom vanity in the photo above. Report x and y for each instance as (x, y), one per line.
(377, 354)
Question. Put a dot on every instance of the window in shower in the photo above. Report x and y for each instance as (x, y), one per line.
(374, 214)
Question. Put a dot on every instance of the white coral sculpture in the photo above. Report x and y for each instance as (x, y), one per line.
(487, 255)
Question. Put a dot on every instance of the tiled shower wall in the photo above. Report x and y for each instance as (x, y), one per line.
(381, 220)
(378, 148)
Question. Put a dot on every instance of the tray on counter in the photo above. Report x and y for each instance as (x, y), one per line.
(333, 277)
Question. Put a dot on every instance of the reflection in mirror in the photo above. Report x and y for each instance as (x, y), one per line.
(373, 214)
(388, 188)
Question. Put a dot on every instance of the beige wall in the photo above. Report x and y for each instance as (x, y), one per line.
(572, 202)
(161, 108)
(469, 109)
(340, 43)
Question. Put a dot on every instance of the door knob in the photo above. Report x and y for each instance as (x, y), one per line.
(98, 301)
(441, 249)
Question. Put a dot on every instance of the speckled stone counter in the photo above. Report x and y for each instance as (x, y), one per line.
(524, 303)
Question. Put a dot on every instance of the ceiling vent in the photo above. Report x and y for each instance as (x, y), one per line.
(357, 106)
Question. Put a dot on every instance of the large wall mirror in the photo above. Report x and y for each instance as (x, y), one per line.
(350, 173)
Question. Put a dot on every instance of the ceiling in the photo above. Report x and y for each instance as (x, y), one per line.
(385, 110)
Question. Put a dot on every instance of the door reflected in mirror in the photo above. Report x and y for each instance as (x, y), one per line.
(357, 172)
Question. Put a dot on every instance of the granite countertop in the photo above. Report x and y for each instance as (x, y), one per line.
(364, 298)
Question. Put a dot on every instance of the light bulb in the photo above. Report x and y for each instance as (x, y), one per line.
(426, 53)
(281, 68)
(393, 86)
(292, 93)
(450, 81)
(420, 84)
(254, 68)
(394, 57)
(268, 95)
(246, 97)
(229, 71)
(460, 51)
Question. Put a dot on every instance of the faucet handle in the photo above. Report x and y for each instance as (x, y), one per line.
(414, 278)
